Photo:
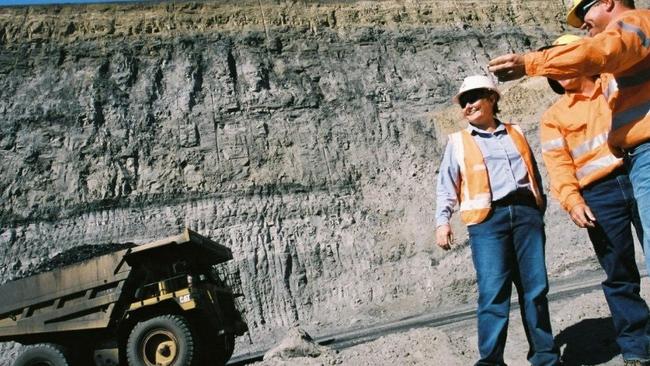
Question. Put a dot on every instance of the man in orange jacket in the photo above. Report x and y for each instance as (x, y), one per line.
(619, 45)
(592, 185)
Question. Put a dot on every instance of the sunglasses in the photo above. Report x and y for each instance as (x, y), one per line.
(584, 9)
(472, 96)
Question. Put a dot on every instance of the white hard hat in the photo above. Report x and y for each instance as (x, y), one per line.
(476, 82)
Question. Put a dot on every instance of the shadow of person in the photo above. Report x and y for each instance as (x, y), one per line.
(588, 342)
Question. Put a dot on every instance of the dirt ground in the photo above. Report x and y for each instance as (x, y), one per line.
(582, 326)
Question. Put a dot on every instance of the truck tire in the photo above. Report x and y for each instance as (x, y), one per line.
(213, 349)
(43, 354)
(222, 351)
(165, 340)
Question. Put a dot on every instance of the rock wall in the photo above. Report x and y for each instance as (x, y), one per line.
(304, 135)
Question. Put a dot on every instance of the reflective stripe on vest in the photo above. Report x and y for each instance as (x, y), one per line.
(551, 145)
(590, 145)
(475, 197)
(595, 165)
(621, 118)
(634, 29)
(612, 87)
(480, 201)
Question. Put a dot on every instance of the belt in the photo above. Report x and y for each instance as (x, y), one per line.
(630, 151)
(521, 197)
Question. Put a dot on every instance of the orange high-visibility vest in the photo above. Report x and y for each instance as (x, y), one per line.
(475, 195)
(623, 50)
(574, 134)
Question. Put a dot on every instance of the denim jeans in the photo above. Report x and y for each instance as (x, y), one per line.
(507, 248)
(612, 202)
(639, 167)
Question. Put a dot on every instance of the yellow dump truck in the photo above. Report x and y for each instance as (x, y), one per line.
(163, 303)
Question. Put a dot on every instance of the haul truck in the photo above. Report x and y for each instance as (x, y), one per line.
(158, 304)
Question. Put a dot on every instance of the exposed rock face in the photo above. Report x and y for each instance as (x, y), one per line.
(303, 135)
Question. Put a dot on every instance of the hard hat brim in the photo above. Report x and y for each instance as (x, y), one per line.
(475, 82)
(572, 19)
(555, 85)
(456, 98)
(562, 41)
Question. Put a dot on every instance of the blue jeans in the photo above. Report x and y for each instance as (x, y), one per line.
(507, 248)
(639, 167)
(612, 202)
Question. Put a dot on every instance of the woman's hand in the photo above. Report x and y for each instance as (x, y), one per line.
(444, 236)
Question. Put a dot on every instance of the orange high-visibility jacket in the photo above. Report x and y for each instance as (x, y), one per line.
(574, 144)
(623, 50)
(475, 195)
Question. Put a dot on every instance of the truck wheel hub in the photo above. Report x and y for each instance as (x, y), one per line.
(159, 348)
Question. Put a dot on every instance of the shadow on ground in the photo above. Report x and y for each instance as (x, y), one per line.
(588, 342)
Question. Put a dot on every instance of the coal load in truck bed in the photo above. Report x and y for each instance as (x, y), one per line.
(72, 256)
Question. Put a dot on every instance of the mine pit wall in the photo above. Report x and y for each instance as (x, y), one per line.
(303, 135)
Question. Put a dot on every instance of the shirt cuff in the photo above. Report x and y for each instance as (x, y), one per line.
(533, 62)
(442, 221)
(572, 200)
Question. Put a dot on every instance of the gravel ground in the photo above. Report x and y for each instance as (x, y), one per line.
(582, 326)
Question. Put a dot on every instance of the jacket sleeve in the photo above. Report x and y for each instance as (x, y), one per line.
(448, 186)
(623, 44)
(559, 163)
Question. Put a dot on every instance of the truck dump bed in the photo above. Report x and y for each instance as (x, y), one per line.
(78, 296)
(189, 245)
(82, 296)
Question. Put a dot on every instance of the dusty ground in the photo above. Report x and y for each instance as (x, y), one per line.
(581, 324)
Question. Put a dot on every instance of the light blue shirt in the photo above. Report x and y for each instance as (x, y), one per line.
(506, 170)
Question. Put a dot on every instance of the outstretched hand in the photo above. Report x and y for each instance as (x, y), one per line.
(508, 67)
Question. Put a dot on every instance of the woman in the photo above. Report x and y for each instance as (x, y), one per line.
(489, 169)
